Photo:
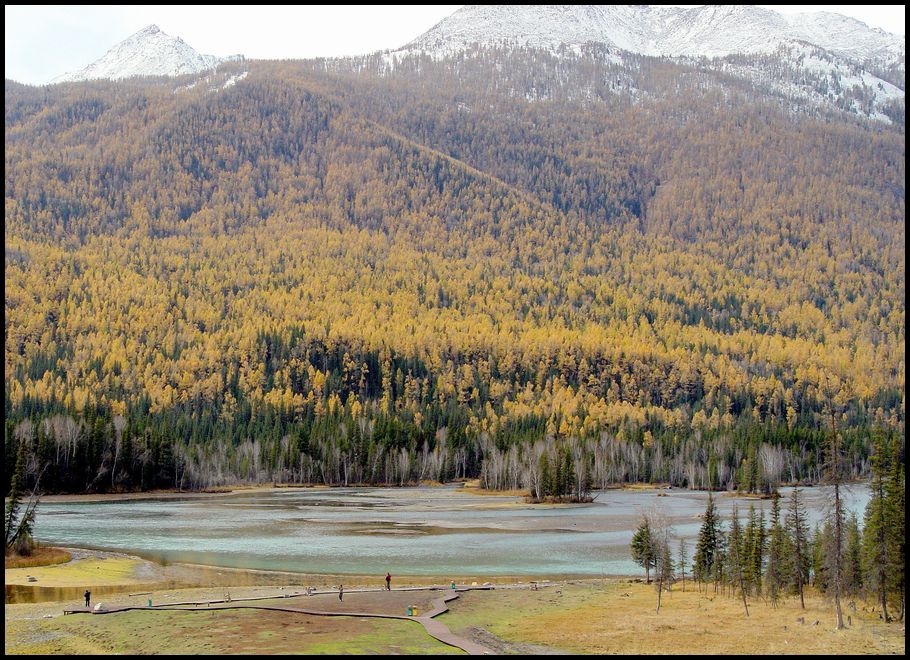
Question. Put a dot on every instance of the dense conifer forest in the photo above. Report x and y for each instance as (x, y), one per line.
(348, 272)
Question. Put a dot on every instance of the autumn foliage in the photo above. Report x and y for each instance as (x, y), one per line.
(338, 273)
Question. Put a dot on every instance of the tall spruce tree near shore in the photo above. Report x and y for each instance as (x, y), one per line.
(737, 557)
(798, 528)
(705, 558)
(754, 544)
(876, 536)
(820, 554)
(18, 527)
(776, 552)
(644, 547)
(11, 522)
(834, 475)
(895, 496)
(853, 563)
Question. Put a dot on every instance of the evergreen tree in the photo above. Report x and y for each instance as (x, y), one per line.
(895, 502)
(644, 547)
(683, 560)
(664, 569)
(737, 557)
(876, 535)
(757, 553)
(568, 477)
(774, 572)
(798, 530)
(853, 564)
(721, 571)
(748, 541)
(11, 522)
(754, 471)
(820, 553)
(559, 475)
(18, 527)
(705, 558)
(546, 475)
(753, 549)
(834, 475)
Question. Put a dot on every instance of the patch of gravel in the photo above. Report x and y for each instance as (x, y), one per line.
(39, 637)
(83, 553)
(500, 646)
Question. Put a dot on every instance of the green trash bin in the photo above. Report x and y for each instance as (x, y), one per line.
(410, 611)
(453, 584)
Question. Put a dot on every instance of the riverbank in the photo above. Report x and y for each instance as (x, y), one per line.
(170, 494)
(467, 487)
(90, 569)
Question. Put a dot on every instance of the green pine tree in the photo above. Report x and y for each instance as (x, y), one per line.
(798, 530)
(757, 552)
(643, 547)
(774, 572)
(895, 515)
(737, 557)
(12, 522)
(703, 562)
(853, 565)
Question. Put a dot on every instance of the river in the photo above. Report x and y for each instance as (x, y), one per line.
(407, 531)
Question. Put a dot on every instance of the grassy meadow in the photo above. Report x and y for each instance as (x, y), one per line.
(582, 616)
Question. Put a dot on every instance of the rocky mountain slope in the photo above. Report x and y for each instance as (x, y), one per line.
(816, 61)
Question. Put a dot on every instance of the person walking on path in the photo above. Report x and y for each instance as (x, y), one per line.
(88, 597)
(388, 581)
(341, 592)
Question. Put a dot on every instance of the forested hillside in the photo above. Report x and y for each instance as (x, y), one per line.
(351, 272)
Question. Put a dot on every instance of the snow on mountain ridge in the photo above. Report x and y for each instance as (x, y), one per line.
(148, 52)
(816, 61)
(709, 30)
(849, 37)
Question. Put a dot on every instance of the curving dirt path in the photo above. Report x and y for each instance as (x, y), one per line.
(434, 628)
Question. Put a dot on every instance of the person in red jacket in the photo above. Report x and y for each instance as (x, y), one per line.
(388, 581)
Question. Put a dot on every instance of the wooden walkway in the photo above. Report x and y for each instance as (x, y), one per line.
(434, 628)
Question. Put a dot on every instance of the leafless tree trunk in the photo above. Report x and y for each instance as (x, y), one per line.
(773, 460)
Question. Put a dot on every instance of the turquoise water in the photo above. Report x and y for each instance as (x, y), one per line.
(408, 531)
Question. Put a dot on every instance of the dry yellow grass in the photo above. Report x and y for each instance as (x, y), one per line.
(621, 618)
(40, 557)
(79, 573)
(584, 616)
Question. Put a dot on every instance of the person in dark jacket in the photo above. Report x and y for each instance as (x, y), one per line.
(88, 597)
(388, 581)
(341, 592)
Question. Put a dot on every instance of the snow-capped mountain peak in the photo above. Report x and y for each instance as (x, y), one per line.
(148, 52)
